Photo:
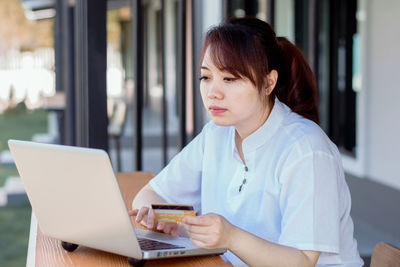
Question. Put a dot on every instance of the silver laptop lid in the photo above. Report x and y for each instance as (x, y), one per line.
(73, 197)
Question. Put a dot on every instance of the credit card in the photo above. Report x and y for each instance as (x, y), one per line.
(172, 212)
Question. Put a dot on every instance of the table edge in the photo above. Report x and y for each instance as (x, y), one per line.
(31, 255)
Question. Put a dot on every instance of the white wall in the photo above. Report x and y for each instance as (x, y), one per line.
(383, 101)
(212, 13)
(284, 16)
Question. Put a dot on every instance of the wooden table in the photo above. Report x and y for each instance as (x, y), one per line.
(47, 251)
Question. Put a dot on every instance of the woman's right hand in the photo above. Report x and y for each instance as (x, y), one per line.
(146, 216)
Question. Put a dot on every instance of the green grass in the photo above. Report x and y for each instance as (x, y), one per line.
(14, 235)
(16, 123)
(20, 123)
(7, 171)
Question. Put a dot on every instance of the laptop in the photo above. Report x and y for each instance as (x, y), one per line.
(76, 198)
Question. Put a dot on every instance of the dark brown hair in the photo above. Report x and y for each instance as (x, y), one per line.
(248, 47)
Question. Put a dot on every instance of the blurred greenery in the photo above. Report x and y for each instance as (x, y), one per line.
(20, 123)
(16, 123)
(14, 235)
(7, 171)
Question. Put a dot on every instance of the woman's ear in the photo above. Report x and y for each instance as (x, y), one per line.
(270, 81)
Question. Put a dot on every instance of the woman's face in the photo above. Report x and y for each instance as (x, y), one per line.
(231, 101)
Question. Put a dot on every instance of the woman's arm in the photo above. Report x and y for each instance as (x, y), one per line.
(255, 251)
(179, 181)
(214, 231)
(146, 197)
(141, 208)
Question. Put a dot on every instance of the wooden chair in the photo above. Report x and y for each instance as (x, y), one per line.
(385, 255)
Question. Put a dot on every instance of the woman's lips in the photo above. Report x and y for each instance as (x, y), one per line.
(216, 110)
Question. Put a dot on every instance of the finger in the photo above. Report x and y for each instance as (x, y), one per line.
(200, 243)
(160, 226)
(204, 241)
(192, 228)
(141, 213)
(174, 231)
(133, 212)
(150, 219)
(200, 238)
(169, 228)
(196, 220)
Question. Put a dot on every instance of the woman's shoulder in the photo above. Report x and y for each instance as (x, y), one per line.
(306, 136)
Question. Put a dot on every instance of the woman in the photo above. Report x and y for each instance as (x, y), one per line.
(267, 180)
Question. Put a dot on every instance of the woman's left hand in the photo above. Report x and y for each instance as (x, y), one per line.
(209, 231)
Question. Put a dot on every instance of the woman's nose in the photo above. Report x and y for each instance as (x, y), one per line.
(215, 91)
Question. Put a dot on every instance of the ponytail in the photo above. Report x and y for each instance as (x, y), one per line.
(296, 86)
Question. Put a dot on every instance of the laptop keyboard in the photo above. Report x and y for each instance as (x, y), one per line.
(148, 244)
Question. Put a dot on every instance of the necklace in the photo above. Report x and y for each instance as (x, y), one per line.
(244, 179)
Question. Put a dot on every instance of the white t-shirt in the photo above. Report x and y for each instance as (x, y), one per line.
(295, 192)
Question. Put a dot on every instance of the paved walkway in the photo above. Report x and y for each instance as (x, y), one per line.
(376, 213)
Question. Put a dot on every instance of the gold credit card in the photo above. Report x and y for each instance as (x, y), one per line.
(172, 212)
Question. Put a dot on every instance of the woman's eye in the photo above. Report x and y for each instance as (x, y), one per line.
(230, 79)
(203, 78)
